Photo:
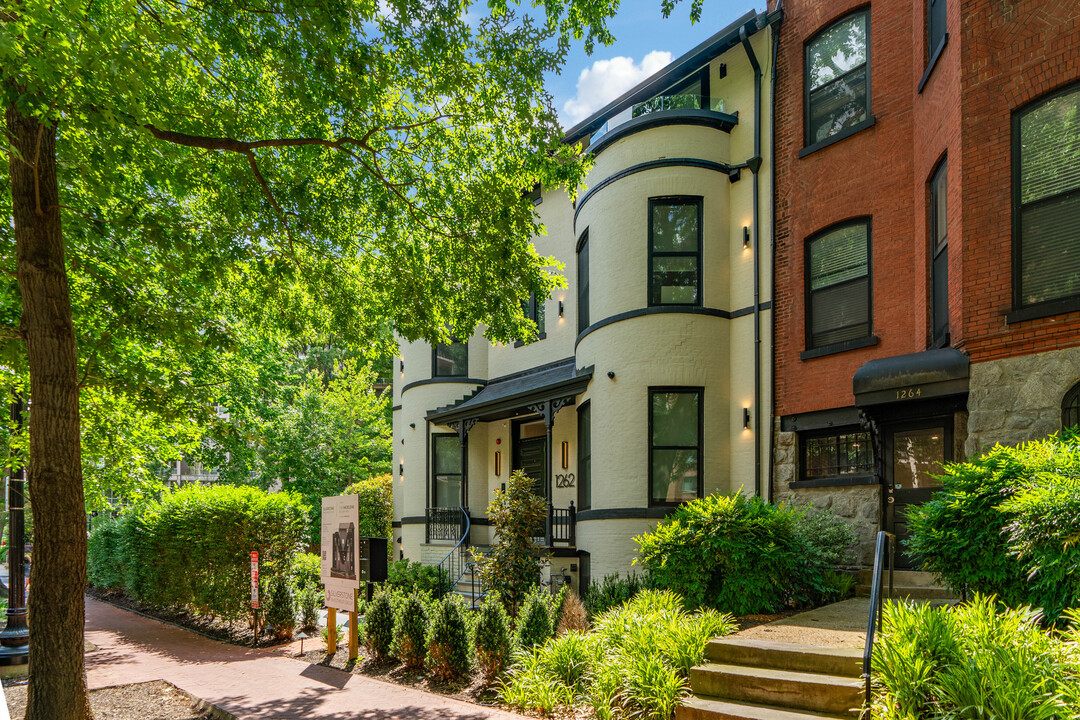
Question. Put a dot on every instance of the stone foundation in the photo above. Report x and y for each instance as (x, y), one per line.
(1018, 399)
(858, 505)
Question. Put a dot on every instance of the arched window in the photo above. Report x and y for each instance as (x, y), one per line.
(1070, 407)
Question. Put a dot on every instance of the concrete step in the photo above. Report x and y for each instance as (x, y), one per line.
(800, 691)
(699, 707)
(905, 591)
(906, 578)
(795, 657)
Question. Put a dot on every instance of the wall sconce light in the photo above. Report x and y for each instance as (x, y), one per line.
(401, 365)
(746, 418)
(734, 174)
(746, 236)
(565, 454)
(498, 463)
(401, 469)
(560, 308)
(412, 425)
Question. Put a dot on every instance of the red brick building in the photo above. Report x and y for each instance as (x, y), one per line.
(927, 271)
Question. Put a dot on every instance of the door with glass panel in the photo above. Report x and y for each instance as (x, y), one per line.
(915, 455)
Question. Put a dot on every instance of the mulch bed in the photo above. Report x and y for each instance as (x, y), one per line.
(157, 700)
(237, 633)
(470, 691)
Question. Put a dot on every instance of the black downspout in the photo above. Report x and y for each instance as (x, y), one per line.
(772, 247)
(754, 164)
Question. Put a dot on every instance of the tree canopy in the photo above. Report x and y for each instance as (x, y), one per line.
(176, 170)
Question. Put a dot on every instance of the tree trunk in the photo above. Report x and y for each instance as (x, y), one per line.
(57, 689)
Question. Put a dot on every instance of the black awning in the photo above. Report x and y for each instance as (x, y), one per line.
(508, 396)
(918, 376)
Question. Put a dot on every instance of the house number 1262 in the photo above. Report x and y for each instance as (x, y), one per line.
(565, 481)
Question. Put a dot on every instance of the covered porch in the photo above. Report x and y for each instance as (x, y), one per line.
(518, 414)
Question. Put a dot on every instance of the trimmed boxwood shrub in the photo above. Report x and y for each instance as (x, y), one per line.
(1006, 523)
(192, 547)
(741, 555)
(410, 633)
(448, 643)
(493, 642)
(379, 626)
(534, 623)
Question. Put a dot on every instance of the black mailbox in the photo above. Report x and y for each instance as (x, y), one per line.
(371, 565)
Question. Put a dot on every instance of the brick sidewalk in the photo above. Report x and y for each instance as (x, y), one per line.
(248, 683)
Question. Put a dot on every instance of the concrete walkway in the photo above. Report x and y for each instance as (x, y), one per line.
(250, 684)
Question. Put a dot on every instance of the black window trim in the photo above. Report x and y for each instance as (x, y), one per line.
(700, 390)
(933, 62)
(1057, 306)
(434, 462)
(860, 478)
(870, 338)
(582, 505)
(1071, 397)
(435, 360)
(942, 166)
(810, 147)
(701, 74)
(699, 201)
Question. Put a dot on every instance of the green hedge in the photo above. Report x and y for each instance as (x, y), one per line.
(375, 501)
(192, 547)
(741, 555)
(1006, 523)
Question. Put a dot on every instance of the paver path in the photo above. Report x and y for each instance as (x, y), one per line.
(250, 684)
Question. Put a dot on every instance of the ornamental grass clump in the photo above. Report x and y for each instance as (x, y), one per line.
(493, 641)
(572, 615)
(976, 660)
(635, 662)
(379, 627)
(410, 633)
(448, 643)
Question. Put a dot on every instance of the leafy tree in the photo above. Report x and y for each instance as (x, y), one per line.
(331, 165)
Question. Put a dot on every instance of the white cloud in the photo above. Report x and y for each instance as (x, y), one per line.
(607, 80)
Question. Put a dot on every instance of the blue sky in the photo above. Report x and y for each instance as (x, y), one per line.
(644, 43)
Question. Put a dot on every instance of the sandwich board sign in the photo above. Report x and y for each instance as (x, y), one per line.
(340, 551)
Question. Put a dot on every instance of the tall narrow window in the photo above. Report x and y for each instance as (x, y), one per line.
(675, 251)
(450, 360)
(935, 26)
(1046, 189)
(583, 282)
(675, 430)
(534, 310)
(939, 254)
(584, 456)
(838, 77)
(446, 459)
(838, 285)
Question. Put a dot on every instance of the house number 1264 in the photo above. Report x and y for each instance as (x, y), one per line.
(909, 393)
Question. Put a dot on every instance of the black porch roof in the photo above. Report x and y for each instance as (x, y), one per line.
(507, 396)
(931, 373)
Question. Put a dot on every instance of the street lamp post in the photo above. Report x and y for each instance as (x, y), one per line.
(15, 638)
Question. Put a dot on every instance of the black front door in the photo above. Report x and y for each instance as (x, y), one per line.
(530, 455)
(914, 453)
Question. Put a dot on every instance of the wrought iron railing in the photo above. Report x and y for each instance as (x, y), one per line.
(873, 624)
(446, 523)
(560, 526)
(457, 561)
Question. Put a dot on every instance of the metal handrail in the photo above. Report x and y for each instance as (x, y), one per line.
(457, 552)
(873, 623)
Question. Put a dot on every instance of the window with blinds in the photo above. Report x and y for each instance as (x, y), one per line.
(837, 77)
(838, 285)
(1047, 191)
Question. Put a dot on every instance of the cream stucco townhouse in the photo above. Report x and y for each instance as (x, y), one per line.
(650, 382)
